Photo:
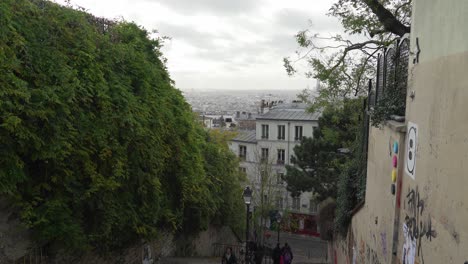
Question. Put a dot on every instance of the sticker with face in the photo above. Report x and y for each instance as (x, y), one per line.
(411, 148)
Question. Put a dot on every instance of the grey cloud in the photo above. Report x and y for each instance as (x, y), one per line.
(297, 20)
(227, 7)
(200, 40)
(293, 19)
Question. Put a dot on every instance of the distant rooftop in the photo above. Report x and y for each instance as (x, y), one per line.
(290, 111)
(246, 136)
(290, 106)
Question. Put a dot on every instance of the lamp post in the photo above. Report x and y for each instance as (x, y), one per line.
(278, 222)
(247, 200)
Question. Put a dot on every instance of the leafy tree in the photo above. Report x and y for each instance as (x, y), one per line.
(267, 192)
(222, 168)
(318, 161)
(341, 64)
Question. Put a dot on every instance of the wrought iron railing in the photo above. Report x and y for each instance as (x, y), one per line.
(389, 89)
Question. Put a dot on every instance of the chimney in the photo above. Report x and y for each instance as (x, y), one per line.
(238, 114)
(262, 106)
(250, 115)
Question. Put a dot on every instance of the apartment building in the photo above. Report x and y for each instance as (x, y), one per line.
(265, 152)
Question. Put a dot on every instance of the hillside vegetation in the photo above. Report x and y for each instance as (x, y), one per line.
(98, 148)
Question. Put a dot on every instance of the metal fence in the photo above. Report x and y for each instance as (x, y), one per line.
(392, 71)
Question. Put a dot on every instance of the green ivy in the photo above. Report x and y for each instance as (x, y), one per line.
(98, 148)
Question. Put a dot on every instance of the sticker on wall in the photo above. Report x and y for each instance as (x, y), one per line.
(411, 148)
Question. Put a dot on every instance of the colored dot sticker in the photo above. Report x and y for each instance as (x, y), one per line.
(393, 189)
(395, 161)
(394, 174)
(395, 147)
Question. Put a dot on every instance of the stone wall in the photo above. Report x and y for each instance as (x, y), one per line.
(16, 245)
(205, 240)
(139, 253)
(14, 238)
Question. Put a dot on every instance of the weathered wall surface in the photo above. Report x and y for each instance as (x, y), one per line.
(14, 238)
(140, 253)
(371, 233)
(205, 240)
(151, 251)
(434, 227)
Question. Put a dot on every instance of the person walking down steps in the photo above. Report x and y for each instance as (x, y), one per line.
(277, 254)
(229, 257)
(287, 254)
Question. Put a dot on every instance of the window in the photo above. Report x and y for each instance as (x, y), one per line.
(242, 152)
(298, 134)
(281, 132)
(280, 156)
(313, 206)
(279, 203)
(296, 203)
(264, 154)
(243, 170)
(265, 131)
(279, 178)
(263, 175)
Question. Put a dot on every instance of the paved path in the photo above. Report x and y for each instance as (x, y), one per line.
(306, 250)
(190, 261)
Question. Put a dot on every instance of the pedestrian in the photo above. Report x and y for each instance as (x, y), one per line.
(287, 254)
(277, 254)
(229, 257)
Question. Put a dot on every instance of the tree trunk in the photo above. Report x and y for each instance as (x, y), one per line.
(388, 20)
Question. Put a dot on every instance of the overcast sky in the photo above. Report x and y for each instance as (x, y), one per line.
(225, 44)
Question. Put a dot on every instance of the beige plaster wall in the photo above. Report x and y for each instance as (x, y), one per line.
(440, 109)
(431, 224)
(371, 233)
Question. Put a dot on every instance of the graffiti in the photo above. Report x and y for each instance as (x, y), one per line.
(371, 256)
(362, 250)
(415, 228)
(383, 237)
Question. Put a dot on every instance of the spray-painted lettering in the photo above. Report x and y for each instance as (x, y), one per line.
(415, 228)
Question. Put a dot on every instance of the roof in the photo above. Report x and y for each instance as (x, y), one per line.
(289, 114)
(246, 136)
(205, 117)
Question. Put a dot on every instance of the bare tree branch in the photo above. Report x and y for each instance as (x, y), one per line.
(362, 71)
(354, 47)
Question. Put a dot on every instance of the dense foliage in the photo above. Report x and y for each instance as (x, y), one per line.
(97, 146)
(333, 163)
(343, 64)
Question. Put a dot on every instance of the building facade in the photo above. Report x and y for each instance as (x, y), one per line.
(264, 154)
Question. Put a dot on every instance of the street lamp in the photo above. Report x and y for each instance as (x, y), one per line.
(278, 221)
(247, 200)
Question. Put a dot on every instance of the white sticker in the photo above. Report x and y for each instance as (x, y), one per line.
(411, 148)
